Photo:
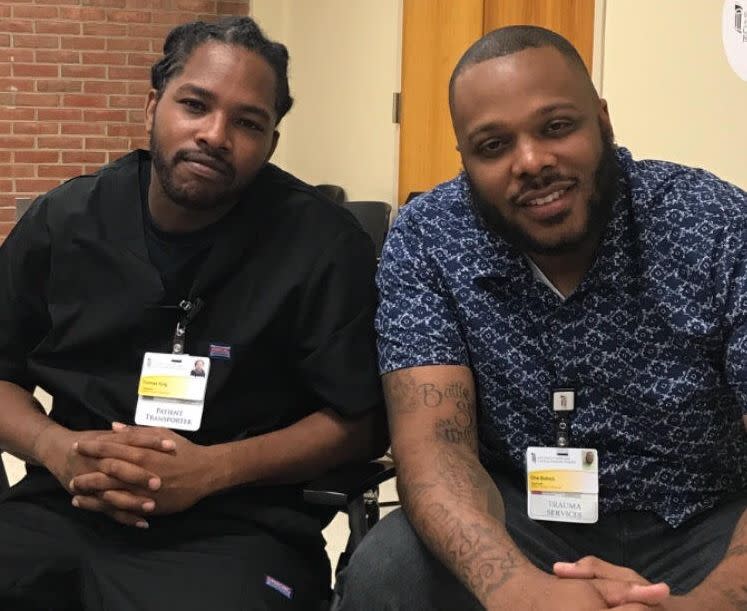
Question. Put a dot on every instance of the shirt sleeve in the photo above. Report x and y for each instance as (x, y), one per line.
(24, 269)
(735, 249)
(337, 345)
(417, 322)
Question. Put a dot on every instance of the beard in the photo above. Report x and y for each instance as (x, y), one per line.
(194, 195)
(599, 208)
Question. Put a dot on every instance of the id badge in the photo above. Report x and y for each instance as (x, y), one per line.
(171, 392)
(563, 484)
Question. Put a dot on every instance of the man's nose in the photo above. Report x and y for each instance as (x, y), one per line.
(531, 156)
(215, 132)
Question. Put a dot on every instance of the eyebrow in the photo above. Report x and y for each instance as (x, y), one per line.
(545, 110)
(209, 95)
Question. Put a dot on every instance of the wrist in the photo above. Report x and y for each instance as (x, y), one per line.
(48, 444)
(527, 583)
(217, 472)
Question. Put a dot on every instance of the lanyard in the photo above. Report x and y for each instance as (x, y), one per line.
(563, 400)
(190, 308)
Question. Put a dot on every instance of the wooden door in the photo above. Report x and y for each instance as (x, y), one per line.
(435, 34)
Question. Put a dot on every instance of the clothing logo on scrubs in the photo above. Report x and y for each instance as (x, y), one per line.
(220, 351)
(285, 590)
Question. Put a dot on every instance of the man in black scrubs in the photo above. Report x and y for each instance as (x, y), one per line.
(113, 284)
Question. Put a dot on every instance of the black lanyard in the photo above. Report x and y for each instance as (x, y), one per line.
(189, 309)
(562, 401)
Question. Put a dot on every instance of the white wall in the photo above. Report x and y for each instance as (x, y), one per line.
(671, 91)
(345, 57)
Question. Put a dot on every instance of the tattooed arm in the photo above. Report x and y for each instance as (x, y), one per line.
(451, 500)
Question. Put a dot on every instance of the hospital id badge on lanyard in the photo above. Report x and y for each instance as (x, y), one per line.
(171, 391)
(563, 482)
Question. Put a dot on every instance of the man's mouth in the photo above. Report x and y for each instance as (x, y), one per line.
(211, 164)
(547, 195)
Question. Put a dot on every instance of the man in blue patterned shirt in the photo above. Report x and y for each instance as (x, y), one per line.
(557, 266)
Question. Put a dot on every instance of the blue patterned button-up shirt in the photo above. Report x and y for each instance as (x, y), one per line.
(653, 340)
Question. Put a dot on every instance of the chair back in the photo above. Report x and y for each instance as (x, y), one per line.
(374, 218)
(334, 192)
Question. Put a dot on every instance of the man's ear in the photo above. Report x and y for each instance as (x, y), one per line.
(150, 110)
(275, 138)
(604, 118)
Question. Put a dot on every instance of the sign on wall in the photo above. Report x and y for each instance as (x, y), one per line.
(734, 35)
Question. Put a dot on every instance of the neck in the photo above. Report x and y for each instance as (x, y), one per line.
(567, 270)
(172, 218)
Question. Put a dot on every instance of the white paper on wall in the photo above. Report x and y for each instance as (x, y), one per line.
(734, 35)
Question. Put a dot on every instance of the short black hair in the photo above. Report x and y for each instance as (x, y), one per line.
(512, 39)
(241, 31)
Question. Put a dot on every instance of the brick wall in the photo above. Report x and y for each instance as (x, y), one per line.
(73, 79)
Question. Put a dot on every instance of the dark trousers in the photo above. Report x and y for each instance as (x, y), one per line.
(56, 558)
(392, 569)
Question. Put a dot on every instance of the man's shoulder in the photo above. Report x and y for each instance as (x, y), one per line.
(685, 194)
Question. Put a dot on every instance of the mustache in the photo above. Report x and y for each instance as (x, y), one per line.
(210, 159)
(535, 183)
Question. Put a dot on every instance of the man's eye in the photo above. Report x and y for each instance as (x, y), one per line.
(492, 146)
(194, 106)
(559, 127)
(250, 125)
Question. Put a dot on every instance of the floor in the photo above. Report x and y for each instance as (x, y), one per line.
(336, 533)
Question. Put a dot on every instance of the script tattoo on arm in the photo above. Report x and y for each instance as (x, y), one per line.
(450, 498)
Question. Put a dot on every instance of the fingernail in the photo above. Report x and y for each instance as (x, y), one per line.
(168, 444)
(76, 502)
(142, 524)
(149, 506)
(154, 483)
(71, 485)
(118, 426)
(75, 445)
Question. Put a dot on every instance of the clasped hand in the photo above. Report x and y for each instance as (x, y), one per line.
(132, 472)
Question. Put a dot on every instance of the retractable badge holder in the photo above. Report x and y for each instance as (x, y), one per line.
(563, 404)
(189, 309)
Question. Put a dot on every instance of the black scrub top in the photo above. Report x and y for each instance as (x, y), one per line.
(288, 316)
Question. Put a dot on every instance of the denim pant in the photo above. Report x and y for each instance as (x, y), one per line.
(392, 569)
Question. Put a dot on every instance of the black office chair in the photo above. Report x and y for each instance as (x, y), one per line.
(334, 192)
(374, 218)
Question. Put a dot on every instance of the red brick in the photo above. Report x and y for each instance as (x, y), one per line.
(104, 29)
(4, 69)
(84, 129)
(35, 12)
(4, 40)
(37, 70)
(114, 155)
(6, 186)
(6, 228)
(233, 8)
(172, 18)
(57, 27)
(60, 114)
(136, 116)
(83, 157)
(106, 144)
(16, 171)
(4, 11)
(72, 71)
(37, 100)
(60, 142)
(36, 41)
(92, 169)
(129, 73)
(88, 43)
(7, 215)
(61, 85)
(152, 5)
(197, 6)
(105, 58)
(128, 44)
(138, 143)
(105, 3)
(16, 84)
(138, 88)
(129, 16)
(22, 26)
(85, 101)
(126, 101)
(83, 15)
(134, 131)
(16, 55)
(36, 185)
(17, 142)
(35, 127)
(105, 115)
(158, 32)
(59, 171)
(19, 114)
(57, 2)
(104, 87)
(142, 59)
(5, 127)
(58, 57)
(36, 157)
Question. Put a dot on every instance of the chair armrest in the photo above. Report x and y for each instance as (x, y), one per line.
(341, 486)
